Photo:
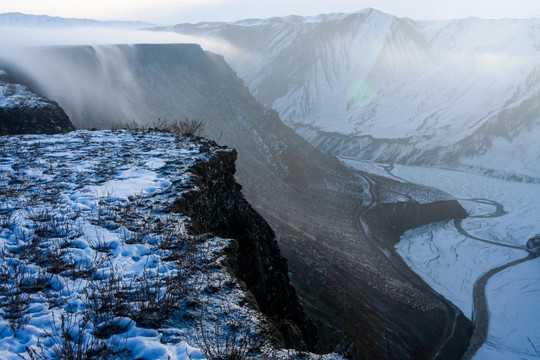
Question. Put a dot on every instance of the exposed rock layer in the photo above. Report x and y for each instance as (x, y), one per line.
(218, 206)
(49, 120)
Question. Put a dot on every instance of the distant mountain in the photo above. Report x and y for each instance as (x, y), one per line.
(370, 85)
(17, 19)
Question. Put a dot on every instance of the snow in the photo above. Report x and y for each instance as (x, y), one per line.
(88, 244)
(450, 263)
(16, 95)
(514, 329)
(523, 147)
(521, 201)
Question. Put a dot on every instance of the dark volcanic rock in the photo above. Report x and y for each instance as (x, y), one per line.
(49, 120)
(219, 207)
(533, 244)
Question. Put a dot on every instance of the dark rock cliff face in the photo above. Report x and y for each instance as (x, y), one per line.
(219, 207)
(23, 120)
(396, 218)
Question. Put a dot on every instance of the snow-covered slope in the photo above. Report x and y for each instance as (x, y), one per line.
(93, 261)
(16, 95)
(374, 86)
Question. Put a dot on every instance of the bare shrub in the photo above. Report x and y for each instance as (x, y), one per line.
(156, 297)
(226, 339)
(99, 244)
(56, 260)
(5, 219)
(188, 127)
(17, 282)
(106, 300)
(85, 268)
(133, 125)
(72, 341)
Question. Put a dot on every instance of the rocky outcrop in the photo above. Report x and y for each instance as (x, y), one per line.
(396, 218)
(533, 244)
(49, 120)
(24, 112)
(218, 206)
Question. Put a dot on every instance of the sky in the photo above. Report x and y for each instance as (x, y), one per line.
(178, 11)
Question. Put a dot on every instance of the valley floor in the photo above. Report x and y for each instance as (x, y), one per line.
(484, 254)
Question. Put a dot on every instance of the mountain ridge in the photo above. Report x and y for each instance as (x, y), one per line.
(19, 19)
(382, 88)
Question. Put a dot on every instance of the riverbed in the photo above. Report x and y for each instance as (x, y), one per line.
(487, 249)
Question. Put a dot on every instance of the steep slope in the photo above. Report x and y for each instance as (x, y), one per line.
(373, 86)
(348, 279)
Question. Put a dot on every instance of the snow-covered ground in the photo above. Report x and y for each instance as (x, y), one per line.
(16, 95)
(92, 262)
(451, 262)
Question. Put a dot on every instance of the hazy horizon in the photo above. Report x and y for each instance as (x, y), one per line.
(174, 11)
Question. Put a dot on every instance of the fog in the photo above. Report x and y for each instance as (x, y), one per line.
(94, 83)
(21, 37)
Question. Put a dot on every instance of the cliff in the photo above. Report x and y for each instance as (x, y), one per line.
(94, 261)
(218, 206)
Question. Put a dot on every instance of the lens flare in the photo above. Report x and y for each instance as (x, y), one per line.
(360, 93)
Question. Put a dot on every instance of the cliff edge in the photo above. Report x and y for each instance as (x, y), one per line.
(218, 206)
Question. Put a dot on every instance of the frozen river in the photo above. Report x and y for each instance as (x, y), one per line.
(486, 249)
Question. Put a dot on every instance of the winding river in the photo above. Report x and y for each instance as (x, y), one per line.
(480, 305)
